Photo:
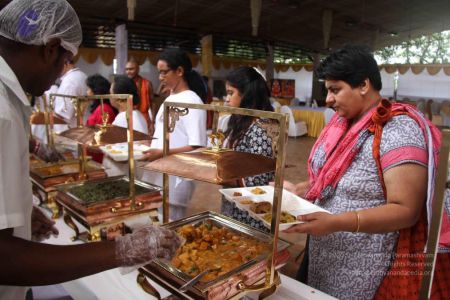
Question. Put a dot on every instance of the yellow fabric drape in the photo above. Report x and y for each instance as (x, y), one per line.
(417, 69)
(90, 55)
(315, 120)
(447, 71)
(403, 69)
(433, 70)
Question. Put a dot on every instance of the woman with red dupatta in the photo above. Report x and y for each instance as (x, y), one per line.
(373, 167)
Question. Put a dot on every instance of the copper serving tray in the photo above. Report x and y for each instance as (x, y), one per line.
(96, 136)
(162, 272)
(91, 213)
(38, 118)
(51, 174)
(213, 167)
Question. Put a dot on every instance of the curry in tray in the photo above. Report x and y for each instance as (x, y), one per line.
(217, 249)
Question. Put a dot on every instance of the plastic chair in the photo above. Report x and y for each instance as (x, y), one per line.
(295, 128)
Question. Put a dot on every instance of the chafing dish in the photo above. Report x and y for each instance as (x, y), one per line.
(233, 282)
(46, 176)
(36, 161)
(203, 165)
(86, 203)
(214, 167)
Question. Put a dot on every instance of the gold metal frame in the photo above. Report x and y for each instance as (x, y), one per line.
(76, 101)
(171, 115)
(441, 186)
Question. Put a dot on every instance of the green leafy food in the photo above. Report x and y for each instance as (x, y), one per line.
(97, 192)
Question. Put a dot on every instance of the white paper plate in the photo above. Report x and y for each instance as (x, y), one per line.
(291, 203)
(119, 152)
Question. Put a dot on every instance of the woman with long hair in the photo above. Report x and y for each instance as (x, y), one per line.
(246, 88)
(185, 85)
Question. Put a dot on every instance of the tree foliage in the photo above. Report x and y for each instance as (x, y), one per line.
(431, 49)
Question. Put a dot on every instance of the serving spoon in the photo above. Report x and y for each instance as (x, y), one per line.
(196, 278)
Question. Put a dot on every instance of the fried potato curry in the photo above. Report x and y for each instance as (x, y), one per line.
(219, 249)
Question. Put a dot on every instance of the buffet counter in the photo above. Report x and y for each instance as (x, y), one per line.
(112, 285)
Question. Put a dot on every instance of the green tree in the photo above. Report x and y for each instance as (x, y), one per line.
(431, 49)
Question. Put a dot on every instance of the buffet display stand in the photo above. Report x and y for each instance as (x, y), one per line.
(218, 165)
(46, 176)
(102, 205)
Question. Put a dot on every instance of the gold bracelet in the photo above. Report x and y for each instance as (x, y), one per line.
(357, 221)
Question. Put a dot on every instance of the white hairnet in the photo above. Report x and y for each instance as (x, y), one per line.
(35, 22)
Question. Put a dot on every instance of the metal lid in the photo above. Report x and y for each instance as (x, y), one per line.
(38, 118)
(211, 166)
(102, 135)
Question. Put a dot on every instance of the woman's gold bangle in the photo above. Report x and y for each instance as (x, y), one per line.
(357, 221)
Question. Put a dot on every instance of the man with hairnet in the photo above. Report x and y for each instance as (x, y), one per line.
(36, 38)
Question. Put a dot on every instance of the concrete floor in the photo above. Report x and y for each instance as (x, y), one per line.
(206, 195)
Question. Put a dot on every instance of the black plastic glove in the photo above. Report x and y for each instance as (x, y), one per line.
(146, 244)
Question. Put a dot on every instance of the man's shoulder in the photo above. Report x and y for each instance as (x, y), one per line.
(5, 107)
(75, 74)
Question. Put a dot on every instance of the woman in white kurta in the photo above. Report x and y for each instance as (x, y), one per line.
(185, 85)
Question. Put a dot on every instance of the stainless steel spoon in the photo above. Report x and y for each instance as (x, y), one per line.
(196, 278)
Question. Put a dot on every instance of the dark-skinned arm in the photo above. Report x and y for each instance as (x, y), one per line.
(27, 263)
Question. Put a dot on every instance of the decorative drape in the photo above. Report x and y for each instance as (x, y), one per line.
(90, 55)
(432, 69)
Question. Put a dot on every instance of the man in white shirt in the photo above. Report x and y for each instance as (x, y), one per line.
(73, 83)
(36, 38)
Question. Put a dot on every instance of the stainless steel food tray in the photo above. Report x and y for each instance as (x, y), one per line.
(151, 189)
(163, 272)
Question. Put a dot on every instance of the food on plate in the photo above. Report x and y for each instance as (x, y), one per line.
(285, 217)
(237, 194)
(258, 191)
(245, 201)
(261, 207)
(209, 246)
(114, 151)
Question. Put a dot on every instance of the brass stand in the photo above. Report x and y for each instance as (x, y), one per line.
(172, 113)
(97, 231)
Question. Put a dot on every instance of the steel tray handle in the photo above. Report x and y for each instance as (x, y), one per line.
(146, 286)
